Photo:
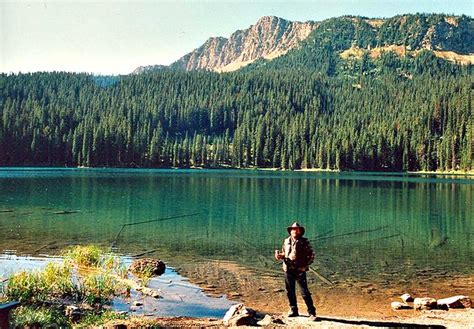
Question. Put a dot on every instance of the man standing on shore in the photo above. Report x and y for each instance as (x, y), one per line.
(297, 255)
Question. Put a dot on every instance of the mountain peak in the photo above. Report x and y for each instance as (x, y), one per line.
(268, 38)
(269, 19)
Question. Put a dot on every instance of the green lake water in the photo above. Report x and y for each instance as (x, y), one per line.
(361, 224)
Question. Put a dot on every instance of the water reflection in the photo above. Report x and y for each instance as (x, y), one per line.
(360, 224)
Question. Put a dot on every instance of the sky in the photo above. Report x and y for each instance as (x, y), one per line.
(115, 37)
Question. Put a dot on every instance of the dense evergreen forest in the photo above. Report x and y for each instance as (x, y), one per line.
(308, 109)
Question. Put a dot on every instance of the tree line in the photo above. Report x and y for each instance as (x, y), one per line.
(383, 114)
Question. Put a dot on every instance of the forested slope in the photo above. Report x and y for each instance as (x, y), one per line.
(310, 108)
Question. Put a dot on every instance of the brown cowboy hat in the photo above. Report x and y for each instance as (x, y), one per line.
(295, 225)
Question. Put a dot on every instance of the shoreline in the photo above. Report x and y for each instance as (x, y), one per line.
(344, 303)
(467, 173)
(368, 302)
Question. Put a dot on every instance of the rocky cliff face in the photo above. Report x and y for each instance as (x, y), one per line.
(270, 37)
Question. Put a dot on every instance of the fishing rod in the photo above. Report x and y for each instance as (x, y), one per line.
(148, 221)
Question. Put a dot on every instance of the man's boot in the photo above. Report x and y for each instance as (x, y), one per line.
(293, 312)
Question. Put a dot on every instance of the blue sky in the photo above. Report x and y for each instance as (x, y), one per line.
(115, 37)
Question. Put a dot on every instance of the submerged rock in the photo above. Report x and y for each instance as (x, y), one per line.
(147, 267)
(425, 303)
(456, 302)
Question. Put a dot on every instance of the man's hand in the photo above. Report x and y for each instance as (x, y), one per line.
(279, 255)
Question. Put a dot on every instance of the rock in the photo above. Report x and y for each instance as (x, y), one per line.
(407, 298)
(147, 267)
(234, 294)
(150, 292)
(73, 312)
(239, 315)
(269, 320)
(425, 303)
(242, 320)
(456, 302)
(121, 313)
(369, 290)
(400, 306)
(269, 37)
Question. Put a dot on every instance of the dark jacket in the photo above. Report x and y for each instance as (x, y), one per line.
(304, 254)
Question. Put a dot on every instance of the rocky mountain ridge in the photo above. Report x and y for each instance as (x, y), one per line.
(449, 37)
(269, 38)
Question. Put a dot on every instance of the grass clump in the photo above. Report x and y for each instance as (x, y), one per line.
(53, 317)
(89, 256)
(95, 282)
(54, 282)
(28, 316)
(87, 275)
(99, 319)
(97, 288)
(145, 274)
(96, 258)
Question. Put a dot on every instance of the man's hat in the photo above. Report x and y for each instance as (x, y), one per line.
(295, 225)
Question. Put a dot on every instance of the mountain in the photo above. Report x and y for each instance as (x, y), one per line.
(355, 94)
(269, 38)
(350, 38)
(309, 44)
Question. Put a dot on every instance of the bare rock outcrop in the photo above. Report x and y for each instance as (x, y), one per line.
(269, 38)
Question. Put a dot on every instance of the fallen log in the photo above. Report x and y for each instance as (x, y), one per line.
(320, 276)
(351, 233)
(145, 253)
(323, 234)
(148, 221)
(64, 212)
(44, 246)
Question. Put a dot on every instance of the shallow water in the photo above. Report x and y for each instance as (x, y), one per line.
(361, 224)
(178, 297)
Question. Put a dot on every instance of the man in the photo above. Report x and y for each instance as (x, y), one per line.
(297, 255)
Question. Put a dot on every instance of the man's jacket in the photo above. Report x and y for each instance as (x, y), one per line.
(298, 254)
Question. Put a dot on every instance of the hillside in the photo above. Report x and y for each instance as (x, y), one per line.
(406, 36)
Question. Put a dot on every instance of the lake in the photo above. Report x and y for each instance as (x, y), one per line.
(362, 225)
